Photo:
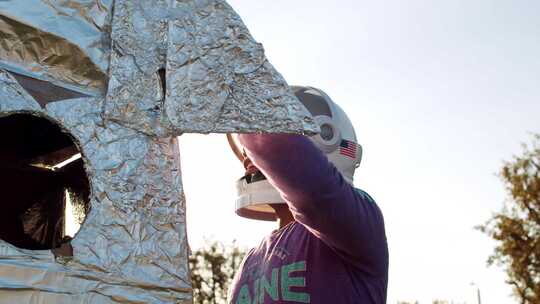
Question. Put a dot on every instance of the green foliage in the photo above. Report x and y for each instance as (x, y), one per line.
(517, 227)
(212, 269)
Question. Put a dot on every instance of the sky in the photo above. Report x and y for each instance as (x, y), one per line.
(440, 94)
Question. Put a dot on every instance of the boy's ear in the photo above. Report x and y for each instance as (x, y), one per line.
(195, 69)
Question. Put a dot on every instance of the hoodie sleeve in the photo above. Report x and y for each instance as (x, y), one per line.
(346, 219)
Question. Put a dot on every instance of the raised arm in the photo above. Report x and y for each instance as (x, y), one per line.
(346, 219)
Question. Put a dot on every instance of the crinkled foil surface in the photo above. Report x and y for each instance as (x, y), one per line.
(148, 72)
(58, 41)
(193, 66)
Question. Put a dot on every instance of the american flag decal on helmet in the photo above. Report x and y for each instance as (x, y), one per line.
(347, 148)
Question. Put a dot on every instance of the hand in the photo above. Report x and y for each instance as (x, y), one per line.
(240, 152)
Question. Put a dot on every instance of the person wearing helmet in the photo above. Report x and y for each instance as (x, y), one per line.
(331, 245)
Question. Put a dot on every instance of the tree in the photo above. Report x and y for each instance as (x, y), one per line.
(212, 269)
(516, 228)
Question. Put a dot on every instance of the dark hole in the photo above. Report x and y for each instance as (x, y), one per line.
(44, 187)
(163, 78)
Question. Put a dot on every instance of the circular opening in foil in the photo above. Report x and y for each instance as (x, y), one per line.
(44, 188)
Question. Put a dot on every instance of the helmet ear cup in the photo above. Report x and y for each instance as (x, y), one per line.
(330, 137)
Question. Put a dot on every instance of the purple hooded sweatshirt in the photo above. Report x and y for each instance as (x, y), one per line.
(334, 252)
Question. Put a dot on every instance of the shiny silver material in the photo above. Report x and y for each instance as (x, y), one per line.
(132, 247)
(194, 67)
(154, 70)
(60, 41)
(220, 79)
(14, 97)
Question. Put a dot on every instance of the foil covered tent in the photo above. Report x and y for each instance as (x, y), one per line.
(92, 96)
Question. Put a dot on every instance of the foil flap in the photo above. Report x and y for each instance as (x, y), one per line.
(194, 68)
(65, 42)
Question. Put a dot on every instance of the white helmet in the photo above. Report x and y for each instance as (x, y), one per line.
(337, 140)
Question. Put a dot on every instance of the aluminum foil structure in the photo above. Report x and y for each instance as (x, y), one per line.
(119, 80)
